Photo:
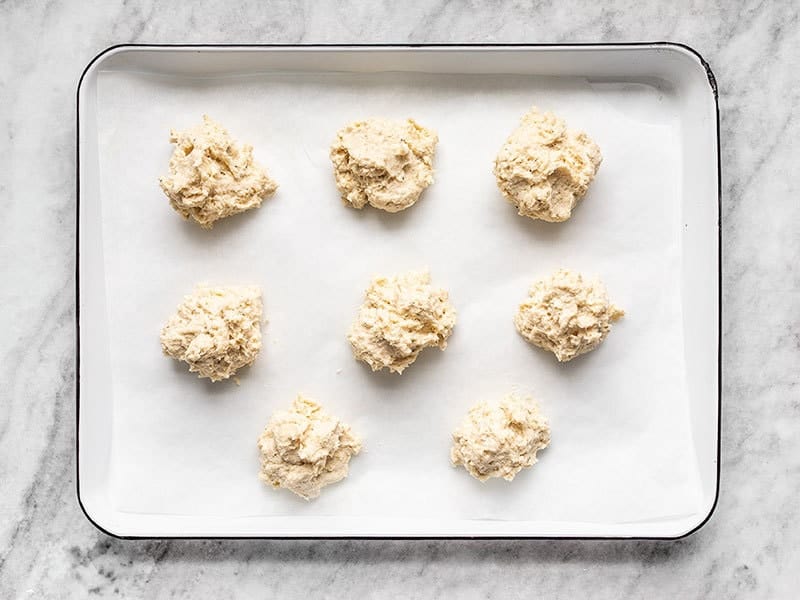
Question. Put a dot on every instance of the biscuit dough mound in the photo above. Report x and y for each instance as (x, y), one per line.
(305, 448)
(401, 316)
(216, 330)
(212, 176)
(566, 314)
(384, 163)
(499, 438)
(544, 168)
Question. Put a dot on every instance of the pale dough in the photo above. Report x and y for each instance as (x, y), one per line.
(212, 176)
(383, 163)
(499, 438)
(215, 330)
(544, 168)
(305, 448)
(566, 314)
(400, 316)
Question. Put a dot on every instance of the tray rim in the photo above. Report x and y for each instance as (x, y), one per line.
(671, 45)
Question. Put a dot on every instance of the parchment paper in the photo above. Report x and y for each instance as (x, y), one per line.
(621, 446)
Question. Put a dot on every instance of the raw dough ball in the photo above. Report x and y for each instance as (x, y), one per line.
(544, 168)
(216, 330)
(383, 163)
(499, 438)
(304, 449)
(566, 315)
(212, 176)
(400, 316)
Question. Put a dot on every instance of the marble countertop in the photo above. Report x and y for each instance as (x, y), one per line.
(751, 546)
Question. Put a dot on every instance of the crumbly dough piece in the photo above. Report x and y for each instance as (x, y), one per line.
(305, 448)
(383, 163)
(401, 316)
(544, 168)
(499, 438)
(216, 330)
(566, 314)
(212, 176)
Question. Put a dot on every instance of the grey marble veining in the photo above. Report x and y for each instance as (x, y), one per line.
(750, 548)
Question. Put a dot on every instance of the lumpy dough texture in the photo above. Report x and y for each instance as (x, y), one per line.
(401, 316)
(216, 330)
(566, 314)
(304, 449)
(499, 438)
(384, 163)
(212, 176)
(544, 168)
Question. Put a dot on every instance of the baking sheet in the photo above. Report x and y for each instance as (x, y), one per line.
(621, 448)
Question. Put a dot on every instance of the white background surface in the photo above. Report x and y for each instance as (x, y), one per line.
(749, 547)
(621, 448)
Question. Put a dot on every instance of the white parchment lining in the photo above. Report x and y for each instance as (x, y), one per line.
(621, 445)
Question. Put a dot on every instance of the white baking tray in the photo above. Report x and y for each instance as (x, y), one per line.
(635, 449)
